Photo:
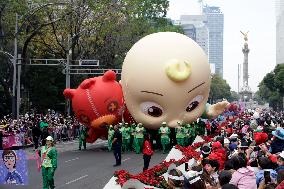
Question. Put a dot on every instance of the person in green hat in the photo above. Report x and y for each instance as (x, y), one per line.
(164, 131)
(82, 137)
(48, 154)
(139, 138)
(110, 137)
(180, 135)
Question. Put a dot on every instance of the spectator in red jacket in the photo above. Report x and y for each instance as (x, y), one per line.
(147, 151)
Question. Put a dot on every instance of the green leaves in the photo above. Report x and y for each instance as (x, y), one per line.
(219, 89)
(271, 88)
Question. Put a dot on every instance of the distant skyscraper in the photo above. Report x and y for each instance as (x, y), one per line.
(195, 27)
(215, 24)
(279, 31)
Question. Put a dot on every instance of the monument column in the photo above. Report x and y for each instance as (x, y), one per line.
(245, 90)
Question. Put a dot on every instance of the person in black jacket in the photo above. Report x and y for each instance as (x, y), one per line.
(44, 135)
(36, 132)
(116, 145)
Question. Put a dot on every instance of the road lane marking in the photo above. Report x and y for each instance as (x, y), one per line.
(71, 160)
(76, 179)
(125, 159)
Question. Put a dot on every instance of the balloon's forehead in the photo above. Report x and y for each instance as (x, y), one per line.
(155, 50)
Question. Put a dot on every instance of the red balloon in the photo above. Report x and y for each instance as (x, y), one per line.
(97, 102)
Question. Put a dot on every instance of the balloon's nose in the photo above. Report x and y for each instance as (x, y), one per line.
(173, 123)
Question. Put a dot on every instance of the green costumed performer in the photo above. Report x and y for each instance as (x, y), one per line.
(139, 138)
(180, 135)
(82, 137)
(48, 155)
(191, 133)
(132, 129)
(126, 137)
(165, 140)
(110, 137)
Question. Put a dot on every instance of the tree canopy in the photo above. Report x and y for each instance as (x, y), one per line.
(271, 88)
(104, 30)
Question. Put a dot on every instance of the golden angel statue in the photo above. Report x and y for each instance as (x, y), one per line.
(245, 35)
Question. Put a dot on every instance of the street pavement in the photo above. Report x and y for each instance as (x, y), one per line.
(86, 169)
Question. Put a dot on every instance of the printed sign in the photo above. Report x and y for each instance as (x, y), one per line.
(13, 167)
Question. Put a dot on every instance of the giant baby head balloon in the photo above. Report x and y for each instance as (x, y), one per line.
(165, 77)
(96, 102)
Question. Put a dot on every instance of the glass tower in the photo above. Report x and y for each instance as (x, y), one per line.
(215, 24)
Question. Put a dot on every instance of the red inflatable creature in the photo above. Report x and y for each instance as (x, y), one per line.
(97, 102)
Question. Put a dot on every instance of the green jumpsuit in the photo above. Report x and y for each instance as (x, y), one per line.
(138, 138)
(82, 137)
(110, 137)
(165, 140)
(180, 136)
(48, 167)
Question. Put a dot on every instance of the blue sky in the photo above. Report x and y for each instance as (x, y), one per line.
(255, 16)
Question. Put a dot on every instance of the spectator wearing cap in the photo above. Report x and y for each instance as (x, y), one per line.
(218, 153)
(205, 151)
(48, 155)
(277, 144)
(259, 136)
(243, 177)
(280, 162)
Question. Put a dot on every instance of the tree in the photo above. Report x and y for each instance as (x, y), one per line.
(103, 30)
(271, 88)
(219, 89)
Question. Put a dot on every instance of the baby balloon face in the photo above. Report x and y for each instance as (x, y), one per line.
(165, 77)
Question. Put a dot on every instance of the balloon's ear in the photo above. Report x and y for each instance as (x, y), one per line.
(109, 76)
(69, 93)
(87, 83)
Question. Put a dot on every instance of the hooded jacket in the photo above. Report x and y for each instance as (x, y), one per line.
(244, 178)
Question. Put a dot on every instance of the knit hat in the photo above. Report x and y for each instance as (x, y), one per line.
(233, 146)
(260, 137)
(216, 145)
(259, 129)
(226, 141)
(205, 149)
(49, 138)
(164, 123)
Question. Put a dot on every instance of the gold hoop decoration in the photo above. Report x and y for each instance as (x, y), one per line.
(178, 70)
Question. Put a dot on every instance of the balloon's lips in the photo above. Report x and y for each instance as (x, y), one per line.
(103, 121)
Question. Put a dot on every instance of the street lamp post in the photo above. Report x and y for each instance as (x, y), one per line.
(15, 67)
(69, 52)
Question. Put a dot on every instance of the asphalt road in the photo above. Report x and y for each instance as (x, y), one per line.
(89, 169)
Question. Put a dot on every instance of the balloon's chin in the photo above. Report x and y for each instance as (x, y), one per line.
(101, 122)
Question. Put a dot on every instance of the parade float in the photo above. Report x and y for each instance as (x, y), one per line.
(97, 102)
(165, 78)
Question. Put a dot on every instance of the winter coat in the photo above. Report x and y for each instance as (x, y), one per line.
(147, 149)
(244, 178)
(277, 146)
